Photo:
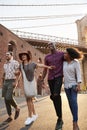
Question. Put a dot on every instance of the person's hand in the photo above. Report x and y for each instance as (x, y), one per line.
(51, 67)
(15, 84)
(17, 73)
(78, 88)
(2, 82)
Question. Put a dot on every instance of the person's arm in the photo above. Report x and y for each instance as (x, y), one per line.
(3, 78)
(17, 74)
(45, 66)
(78, 75)
(44, 73)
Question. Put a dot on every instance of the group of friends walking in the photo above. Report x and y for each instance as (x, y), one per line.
(61, 67)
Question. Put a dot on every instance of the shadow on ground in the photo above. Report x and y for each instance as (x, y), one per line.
(27, 127)
(4, 127)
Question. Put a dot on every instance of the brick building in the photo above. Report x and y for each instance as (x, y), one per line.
(11, 42)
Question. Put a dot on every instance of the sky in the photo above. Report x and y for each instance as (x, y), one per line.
(59, 20)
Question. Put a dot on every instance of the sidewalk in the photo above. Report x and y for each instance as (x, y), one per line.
(47, 117)
(21, 101)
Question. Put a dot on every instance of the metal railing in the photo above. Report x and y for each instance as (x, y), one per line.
(43, 37)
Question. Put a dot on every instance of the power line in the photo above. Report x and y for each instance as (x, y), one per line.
(43, 26)
(38, 17)
(19, 5)
(64, 15)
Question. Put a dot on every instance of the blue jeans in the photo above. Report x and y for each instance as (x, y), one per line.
(72, 100)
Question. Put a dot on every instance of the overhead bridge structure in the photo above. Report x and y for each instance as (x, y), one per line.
(40, 42)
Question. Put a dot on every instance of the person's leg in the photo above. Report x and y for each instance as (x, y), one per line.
(8, 107)
(7, 104)
(13, 103)
(9, 94)
(34, 115)
(9, 98)
(30, 106)
(69, 97)
(72, 99)
(55, 88)
(57, 96)
(75, 110)
(58, 101)
(74, 106)
(4, 93)
(33, 108)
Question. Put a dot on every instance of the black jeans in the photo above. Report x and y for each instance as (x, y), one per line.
(55, 89)
(7, 92)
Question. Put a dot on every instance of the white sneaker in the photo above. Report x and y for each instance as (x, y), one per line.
(35, 117)
(28, 121)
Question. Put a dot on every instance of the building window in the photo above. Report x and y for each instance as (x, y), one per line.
(22, 46)
(1, 34)
(35, 54)
(10, 47)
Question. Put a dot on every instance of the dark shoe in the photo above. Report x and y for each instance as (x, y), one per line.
(17, 114)
(75, 126)
(8, 120)
(59, 125)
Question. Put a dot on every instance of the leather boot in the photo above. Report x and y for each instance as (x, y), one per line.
(75, 126)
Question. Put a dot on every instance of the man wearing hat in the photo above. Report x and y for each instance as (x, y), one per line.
(9, 82)
(55, 58)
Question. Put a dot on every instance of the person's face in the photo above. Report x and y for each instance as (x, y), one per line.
(8, 56)
(24, 57)
(66, 56)
(51, 46)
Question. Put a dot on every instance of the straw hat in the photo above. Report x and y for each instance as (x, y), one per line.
(24, 53)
